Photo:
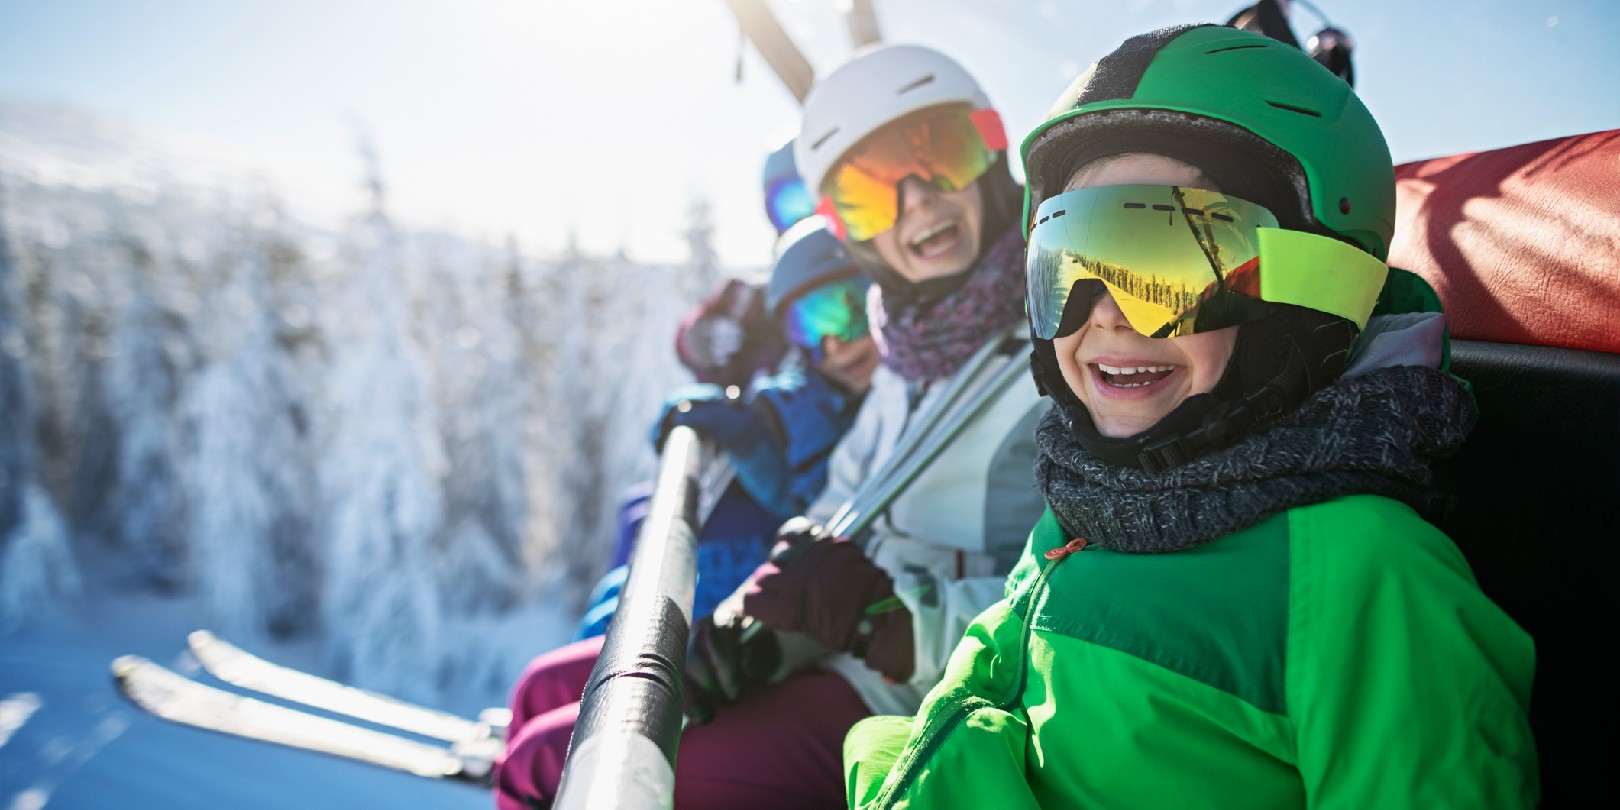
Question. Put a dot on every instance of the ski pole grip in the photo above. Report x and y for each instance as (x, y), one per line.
(623, 750)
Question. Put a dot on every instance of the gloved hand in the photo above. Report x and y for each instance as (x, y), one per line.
(730, 336)
(725, 654)
(826, 588)
(717, 413)
(739, 430)
(712, 340)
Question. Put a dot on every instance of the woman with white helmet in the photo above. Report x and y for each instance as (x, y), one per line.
(908, 159)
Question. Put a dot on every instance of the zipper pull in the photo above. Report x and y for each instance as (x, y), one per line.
(1078, 544)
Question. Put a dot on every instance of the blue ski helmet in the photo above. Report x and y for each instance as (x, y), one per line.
(807, 256)
(815, 291)
(787, 201)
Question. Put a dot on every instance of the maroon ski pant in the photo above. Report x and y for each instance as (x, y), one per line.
(780, 746)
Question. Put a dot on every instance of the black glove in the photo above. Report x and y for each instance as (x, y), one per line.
(724, 657)
(794, 538)
(827, 589)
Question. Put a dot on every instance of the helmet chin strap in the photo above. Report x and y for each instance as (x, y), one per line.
(1247, 398)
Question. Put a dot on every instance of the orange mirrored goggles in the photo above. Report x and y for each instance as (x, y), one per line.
(949, 147)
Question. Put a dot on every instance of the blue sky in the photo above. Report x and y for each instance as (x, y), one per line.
(605, 119)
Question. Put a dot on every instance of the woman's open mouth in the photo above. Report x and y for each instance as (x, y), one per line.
(936, 241)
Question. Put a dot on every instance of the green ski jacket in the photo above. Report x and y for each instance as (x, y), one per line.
(1334, 655)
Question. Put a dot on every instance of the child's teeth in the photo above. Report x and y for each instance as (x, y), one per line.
(1107, 369)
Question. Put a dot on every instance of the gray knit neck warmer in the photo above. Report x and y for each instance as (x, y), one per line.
(1372, 434)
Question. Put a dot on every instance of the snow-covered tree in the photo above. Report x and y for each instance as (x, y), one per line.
(17, 451)
(37, 570)
(245, 461)
(702, 273)
(486, 400)
(143, 378)
(612, 337)
(409, 441)
(380, 475)
(38, 575)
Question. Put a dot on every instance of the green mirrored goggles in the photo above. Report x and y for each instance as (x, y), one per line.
(1183, 260)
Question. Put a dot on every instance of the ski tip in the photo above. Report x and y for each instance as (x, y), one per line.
(123, 665)
(200, 638)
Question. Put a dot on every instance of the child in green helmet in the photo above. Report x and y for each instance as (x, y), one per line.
(1233, 599)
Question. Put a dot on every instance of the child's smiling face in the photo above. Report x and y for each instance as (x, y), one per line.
(849, 363)
(1127, 381)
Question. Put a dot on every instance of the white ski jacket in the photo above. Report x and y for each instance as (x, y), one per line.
(950, 538)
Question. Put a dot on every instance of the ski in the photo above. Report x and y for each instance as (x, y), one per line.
(239, 667)
(176, 698)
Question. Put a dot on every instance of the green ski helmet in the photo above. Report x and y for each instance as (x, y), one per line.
(1268, 125)
(1236, 101)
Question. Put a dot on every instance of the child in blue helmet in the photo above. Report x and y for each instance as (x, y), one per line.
(732, 341)
(733, 336)
(777, 436)
(778, 433)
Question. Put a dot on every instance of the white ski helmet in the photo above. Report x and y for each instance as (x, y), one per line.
(867, 92)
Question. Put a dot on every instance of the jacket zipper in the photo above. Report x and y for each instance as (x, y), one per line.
(938, 729)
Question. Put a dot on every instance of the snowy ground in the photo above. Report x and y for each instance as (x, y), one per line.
(69, 740)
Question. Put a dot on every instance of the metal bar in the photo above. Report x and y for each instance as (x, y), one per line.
(863, 25)
(623, 750)
(762, 28)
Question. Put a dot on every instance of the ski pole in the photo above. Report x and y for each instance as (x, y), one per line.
(923, 425)
(876, 495)
(869, 502)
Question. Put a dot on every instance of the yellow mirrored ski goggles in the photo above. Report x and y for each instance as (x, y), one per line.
(1183, 260)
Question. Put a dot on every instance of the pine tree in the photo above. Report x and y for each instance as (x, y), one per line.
(246, 471)
(146, 507)
(38, 574)
(380, 474)
(17, 450)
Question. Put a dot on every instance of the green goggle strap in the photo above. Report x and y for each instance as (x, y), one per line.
(1294, 270)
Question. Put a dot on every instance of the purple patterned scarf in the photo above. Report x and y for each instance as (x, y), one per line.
(931, 341)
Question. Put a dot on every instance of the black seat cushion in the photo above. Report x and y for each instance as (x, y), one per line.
(1534, 503)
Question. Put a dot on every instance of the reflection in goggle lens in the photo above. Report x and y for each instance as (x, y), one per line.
(830, 310)
(942, 146)
(1176, 260)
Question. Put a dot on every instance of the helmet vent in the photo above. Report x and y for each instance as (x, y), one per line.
(924, 81)
(1291, 108)
(817, 143)
(1237, 48)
